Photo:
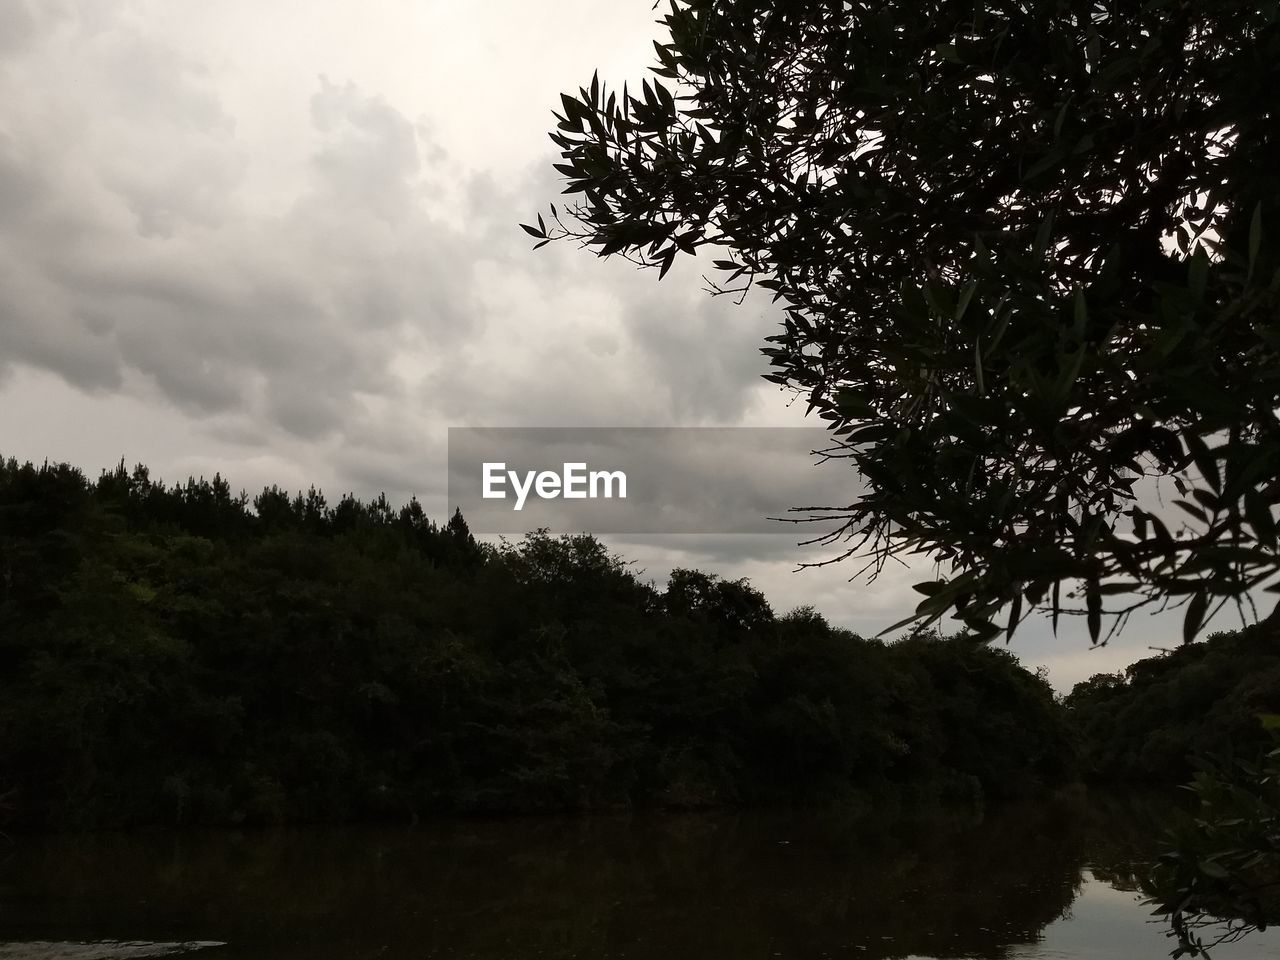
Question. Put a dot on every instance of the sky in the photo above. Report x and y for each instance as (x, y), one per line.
(278, 240)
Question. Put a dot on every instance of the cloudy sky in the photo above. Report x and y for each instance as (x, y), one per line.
(277, 239)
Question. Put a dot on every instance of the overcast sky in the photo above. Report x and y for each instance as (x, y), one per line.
(277, 239)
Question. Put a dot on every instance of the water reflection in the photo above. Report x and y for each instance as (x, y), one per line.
(799, 885)
(97, 949)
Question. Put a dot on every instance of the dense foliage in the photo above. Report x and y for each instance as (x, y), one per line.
(1201, 702)
(1206, 715)
(1027, 256)
(1216, 880)
(180, 654)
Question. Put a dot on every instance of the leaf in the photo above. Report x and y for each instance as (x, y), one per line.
(1161, 532)
(1198, 274)
(983, 630)
(1093, 603)
(852, 404)
(1258, 512)
(1062, 115)
(1207, 500)
(902, 623)
(667, 260)
(1211, 868)
(1139, 523)
(1015, 610)
(1204, 459)
(533, 231)
(573, 112)
(1196, 608)
(1193, 510)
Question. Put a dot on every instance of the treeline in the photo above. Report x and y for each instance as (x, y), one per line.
(181, 654)
(1160, 718)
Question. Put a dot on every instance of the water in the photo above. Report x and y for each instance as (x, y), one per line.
(1052, 880)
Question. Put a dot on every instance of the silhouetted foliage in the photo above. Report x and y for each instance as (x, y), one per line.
(181, 654)
(1026, 254)
(1207, 713)
(1202, 700)
(1216, 881)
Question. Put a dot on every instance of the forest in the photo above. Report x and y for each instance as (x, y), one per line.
(179, 654)
(1166, 716)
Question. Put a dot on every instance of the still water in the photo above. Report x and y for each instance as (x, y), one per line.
(1051, 880)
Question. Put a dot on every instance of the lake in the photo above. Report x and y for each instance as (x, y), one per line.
(1047, 880)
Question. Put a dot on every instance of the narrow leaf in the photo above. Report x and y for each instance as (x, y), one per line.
(1196, 608)
(1015, 610)
(1093, 603)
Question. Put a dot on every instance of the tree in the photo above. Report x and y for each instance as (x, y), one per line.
(362, 662)
(1216, 882)
(1026, 257)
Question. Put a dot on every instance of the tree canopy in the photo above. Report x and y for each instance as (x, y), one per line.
(1026, 256)
(182, 654)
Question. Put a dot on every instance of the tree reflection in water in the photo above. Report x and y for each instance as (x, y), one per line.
(793, 884)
